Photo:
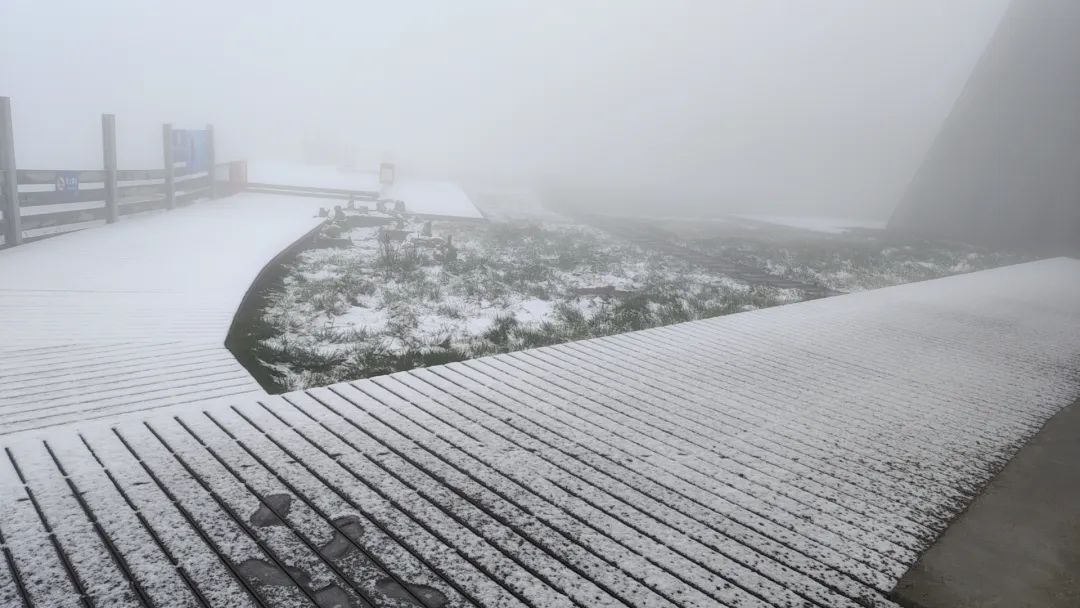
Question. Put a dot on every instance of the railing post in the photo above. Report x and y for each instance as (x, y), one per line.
(10, 194)
(108, 150)
(212, 160)
(237, 176)
(170, 168)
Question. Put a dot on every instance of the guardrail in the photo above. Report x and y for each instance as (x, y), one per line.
(313, 192)
(36, 204)
(52, 202)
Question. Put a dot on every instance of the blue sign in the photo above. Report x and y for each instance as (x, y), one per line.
(67, 183)
(191, 150)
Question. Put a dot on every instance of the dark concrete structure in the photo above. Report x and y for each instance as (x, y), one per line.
(1005, 168)
(1018, 545)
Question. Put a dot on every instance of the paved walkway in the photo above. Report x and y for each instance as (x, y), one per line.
(133, 316)
(1018, 545)
(423, 197)
(798, 456)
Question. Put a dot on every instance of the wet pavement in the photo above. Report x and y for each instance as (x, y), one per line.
(1018, 545)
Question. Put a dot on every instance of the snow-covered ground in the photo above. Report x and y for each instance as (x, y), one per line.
(141, 306)
(423, 196)
(799, 457)
(846, 261)
(510, 201)
(349, 313)
(343, 313)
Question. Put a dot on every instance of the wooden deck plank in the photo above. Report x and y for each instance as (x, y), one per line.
(134, 315)
(800, 456)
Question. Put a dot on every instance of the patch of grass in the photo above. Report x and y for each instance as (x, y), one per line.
(523, 285)
(453, 311)
(545, 333)
(340, 335)
(302, 356)
(501, 329)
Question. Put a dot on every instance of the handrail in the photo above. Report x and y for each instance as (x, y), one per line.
(313, 191)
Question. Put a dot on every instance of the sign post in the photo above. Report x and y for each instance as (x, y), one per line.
(10, 194)
(108, 143)
(237, 176)
(170, 166)
(386, 174)
(209, 143)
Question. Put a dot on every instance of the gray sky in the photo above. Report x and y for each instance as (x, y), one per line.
(774, 106)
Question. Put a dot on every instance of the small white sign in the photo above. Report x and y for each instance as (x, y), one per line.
(386, 174)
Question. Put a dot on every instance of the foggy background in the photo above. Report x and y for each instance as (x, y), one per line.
(675, 107)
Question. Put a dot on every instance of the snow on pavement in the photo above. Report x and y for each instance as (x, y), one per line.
(797, 456)
(421, 196)
(135, 314)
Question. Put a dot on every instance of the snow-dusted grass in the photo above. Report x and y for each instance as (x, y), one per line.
(381, 306)
(472, 289)
(856, 260)
(867, 265)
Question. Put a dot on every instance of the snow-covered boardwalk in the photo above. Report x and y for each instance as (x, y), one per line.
(134, 315)
(796, 456)
(433, 198)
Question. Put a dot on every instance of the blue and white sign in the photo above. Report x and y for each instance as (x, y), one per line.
(67, 183)
(191, 150)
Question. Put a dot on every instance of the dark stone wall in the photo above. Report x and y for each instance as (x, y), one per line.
(1005, 168)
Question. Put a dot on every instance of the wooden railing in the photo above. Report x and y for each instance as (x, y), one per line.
(51, 202)
(35, 204)
(313, 192)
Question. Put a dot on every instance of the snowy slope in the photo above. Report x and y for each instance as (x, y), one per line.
(795, 456)
(429, 197)
(134, 315)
